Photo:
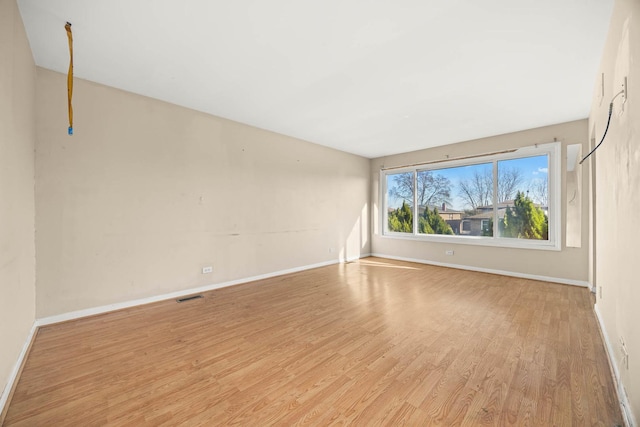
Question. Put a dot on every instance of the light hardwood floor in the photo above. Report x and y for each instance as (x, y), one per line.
(375, 342)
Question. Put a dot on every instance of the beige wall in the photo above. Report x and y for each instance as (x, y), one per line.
(569, 264)
(147, 193)
(17, 136)
(617, 194)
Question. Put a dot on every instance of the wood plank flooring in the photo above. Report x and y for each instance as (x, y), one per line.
(375, 342)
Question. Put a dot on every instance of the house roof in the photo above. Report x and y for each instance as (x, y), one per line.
(487, 215)
(501, 205)
(440, 210)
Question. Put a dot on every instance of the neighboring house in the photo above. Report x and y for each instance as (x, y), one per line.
(451, 217)
(479, 224)
(475, 225)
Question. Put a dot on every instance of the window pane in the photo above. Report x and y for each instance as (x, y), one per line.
(400, 202)
(523, 188)
(450, 198)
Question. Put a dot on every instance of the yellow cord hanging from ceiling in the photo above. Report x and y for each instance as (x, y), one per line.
(70, 76)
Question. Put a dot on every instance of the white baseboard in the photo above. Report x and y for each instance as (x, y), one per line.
(489, 270)
(172, 295)
(629, 419)
(16, 368)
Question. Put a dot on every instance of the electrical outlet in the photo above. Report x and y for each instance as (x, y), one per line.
(448, 252)
(599, 292)
(206, 270)
(331, 250)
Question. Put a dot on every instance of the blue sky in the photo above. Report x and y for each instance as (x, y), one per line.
(533, 169)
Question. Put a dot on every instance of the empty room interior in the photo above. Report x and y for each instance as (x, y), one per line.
(323, 213)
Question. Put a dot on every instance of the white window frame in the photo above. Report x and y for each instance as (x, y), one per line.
(552, 150)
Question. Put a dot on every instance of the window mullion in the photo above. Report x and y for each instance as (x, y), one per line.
(495, 198)
(415, 202)
(385, 202)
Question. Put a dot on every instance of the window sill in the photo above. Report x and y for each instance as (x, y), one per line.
(543, 245)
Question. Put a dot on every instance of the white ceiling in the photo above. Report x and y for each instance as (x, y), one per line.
(369, 77)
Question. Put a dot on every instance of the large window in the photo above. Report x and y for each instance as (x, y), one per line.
(507, 199)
